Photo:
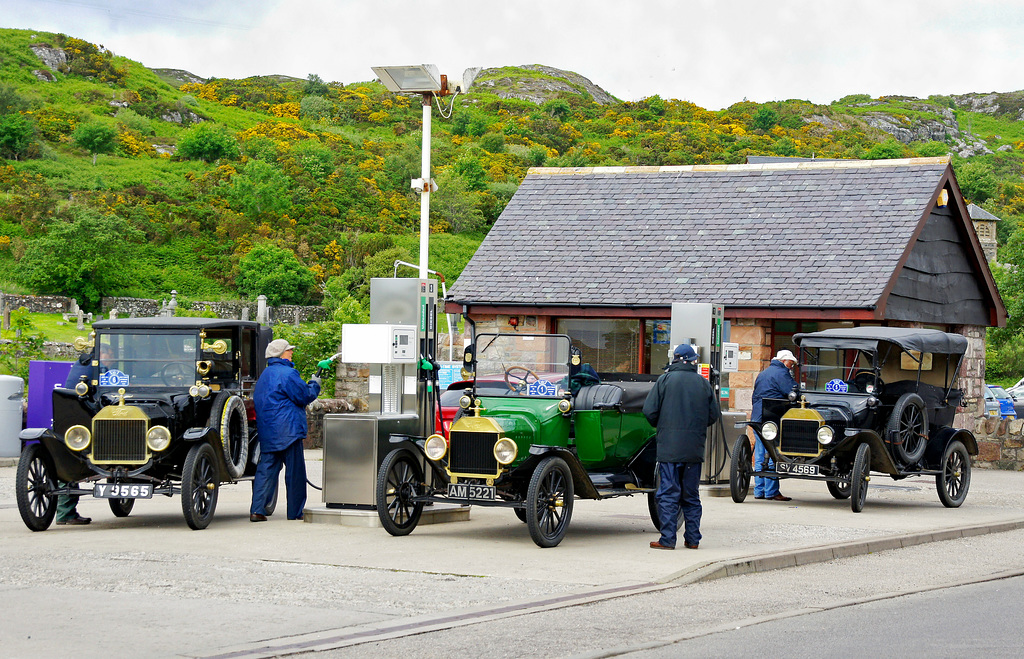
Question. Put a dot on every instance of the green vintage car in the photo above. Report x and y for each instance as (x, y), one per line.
(535, 431)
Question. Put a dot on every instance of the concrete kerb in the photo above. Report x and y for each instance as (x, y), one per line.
(806, 556)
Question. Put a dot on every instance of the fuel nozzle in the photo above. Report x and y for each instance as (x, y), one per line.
(324, 364)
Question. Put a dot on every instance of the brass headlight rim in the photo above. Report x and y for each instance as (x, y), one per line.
(769, 431)
(156, 448)
(515, 451)
(432, 441)
(88, 438)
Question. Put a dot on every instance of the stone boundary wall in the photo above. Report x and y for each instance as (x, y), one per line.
(284, 313)
(39, 303)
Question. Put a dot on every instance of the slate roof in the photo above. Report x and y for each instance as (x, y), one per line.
(978, 213)
(824, 234)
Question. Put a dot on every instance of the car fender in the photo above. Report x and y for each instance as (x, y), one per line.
(35, 436)
(881, 459)
(583, 486)
(941, 438)
(416, 446)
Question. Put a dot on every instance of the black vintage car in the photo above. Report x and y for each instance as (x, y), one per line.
(166, 409)
(869, 399)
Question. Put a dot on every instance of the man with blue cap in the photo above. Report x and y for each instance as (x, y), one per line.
(682, 406)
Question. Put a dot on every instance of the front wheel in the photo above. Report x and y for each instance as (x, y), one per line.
(740, 469)
(954, 480)
(34, 481)
(859, 478)
(199, 486)
(399, 480)
(549, 501)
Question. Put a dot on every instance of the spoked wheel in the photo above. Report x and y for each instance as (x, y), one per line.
(840, 489)
(740, 469)
(549, 502)
(652, 502)
(399, 480)
(859, 478)
(909, 423)
(199, 486)
(34, 481)
(955, 479)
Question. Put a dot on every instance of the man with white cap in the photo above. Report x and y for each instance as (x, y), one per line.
(281, 396)
(776, 381)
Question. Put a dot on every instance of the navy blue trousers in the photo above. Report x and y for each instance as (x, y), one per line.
(679, 488)
(267, 471)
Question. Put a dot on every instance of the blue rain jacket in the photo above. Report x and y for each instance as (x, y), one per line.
(773, 382)
(281, 396)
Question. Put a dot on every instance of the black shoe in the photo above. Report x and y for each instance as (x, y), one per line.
(758, 496)
(254, 517)
(657, 545)
(77, 520)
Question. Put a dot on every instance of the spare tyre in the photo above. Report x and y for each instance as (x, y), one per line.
(229, 418)
(908, 429)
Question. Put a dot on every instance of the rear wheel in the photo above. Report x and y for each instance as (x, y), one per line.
(740, 469)
(399, 480)
(199, 486)
(34, 480)
(549, 500)
(954, 480)
(859, 478)
(908, 429)
(121, 507)
(840, 489)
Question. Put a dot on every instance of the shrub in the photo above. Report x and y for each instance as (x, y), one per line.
(207, 143)
(275, 272)
(95, 138)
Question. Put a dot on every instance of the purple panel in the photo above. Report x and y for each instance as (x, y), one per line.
(42, 378)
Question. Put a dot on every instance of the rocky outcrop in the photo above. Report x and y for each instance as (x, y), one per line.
(539, 90)
(55, 58)
(1009, 104)
(177, 77)
(181, 117)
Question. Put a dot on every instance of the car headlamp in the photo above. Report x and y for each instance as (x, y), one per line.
(769, 431)
(158, 438)
(435, 447)
(505, 451)
(199, 391)
(77, 438)
(81, 388)
(465, 402)
(825, 435)
(564, 406)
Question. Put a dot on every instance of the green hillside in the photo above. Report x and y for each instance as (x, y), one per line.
(119, 180)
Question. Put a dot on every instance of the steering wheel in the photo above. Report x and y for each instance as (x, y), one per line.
(174, 374)
(863, 378)
(521, 381)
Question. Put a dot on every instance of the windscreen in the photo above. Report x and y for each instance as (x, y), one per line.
(836, 371)
(522, 364)
(147, 359)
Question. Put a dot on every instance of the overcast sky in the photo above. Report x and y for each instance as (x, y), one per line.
(711, 52)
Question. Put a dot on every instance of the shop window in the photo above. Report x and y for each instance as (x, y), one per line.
(608, 345)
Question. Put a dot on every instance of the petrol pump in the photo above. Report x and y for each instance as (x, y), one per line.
(703, 326)
(399, 344)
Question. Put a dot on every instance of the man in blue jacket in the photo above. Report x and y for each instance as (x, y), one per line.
(773, 382)
(281, 397)
(682, 406)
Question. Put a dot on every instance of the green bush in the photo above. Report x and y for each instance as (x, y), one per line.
(312, 344)
(275, 272)
(207, 143)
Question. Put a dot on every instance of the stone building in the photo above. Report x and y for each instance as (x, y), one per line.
(601, 253)
(985, 227)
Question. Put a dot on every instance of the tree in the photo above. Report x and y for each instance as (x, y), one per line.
(765, 119)
(886, 150)
(977, 180)
(259, 189)
(315, 86)
(17, 133)
(557, 108)
(275, 272)
(207, 143)
(95, 138)
(11, 102)
(315, 108)
(457, 204)
(85, 256)
(26, 345)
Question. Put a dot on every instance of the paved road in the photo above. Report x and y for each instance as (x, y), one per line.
(148, 586)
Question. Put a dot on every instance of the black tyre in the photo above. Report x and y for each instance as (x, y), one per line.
(840, 489)
(908, 429)
(121, 507)
(521, 514)
(34, 480)
(549, 500)
(399, 480)
(739, 471)
(652, 502)
(229, 418)
(859, 478)
(954, 480)
(199, 486)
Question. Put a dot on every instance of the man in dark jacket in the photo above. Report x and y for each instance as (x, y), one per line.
(67, 504)
(281, 397)
(773, 382)
(682, 406)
